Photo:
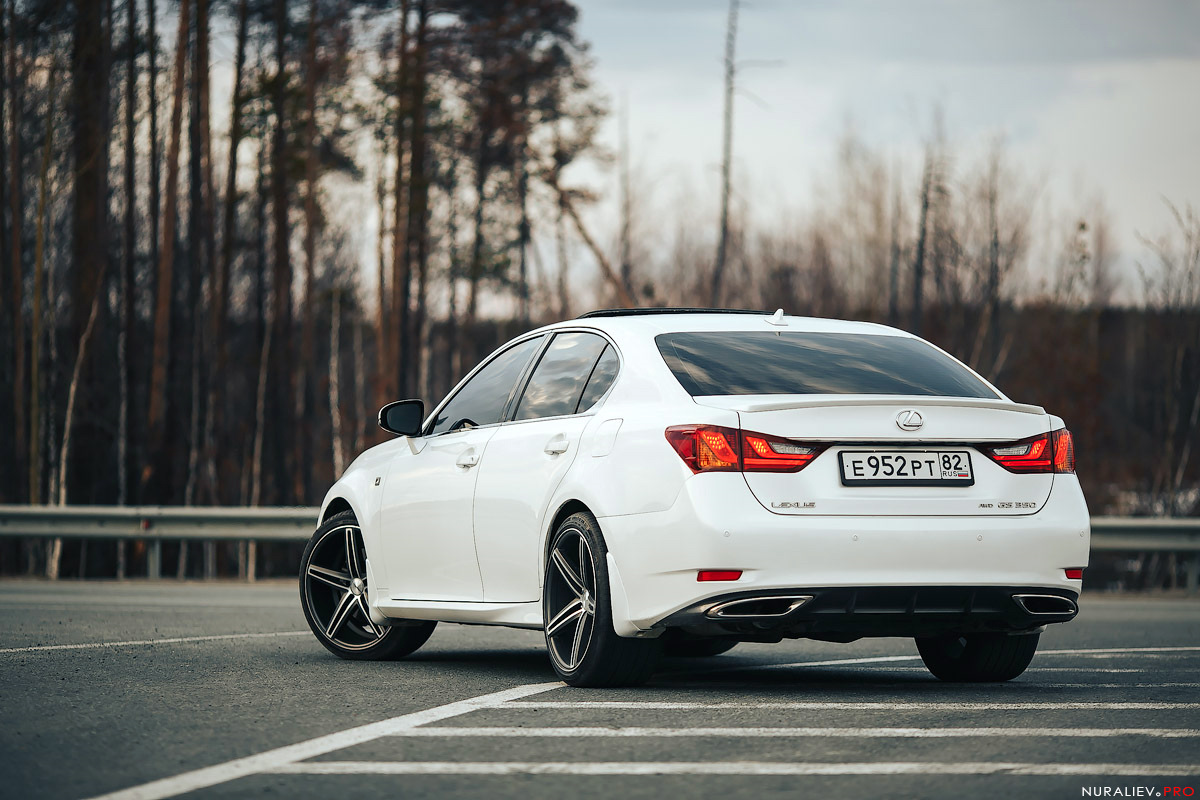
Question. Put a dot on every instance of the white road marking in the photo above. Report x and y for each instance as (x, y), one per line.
(133, 643)
(724, 768)
(279, 758)
(785, 733)
(852, 706)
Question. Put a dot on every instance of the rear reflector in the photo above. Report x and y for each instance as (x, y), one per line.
(718, 575)
(713, 448)
(1074, 573)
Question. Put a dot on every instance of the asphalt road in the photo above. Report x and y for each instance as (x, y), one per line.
(218, 691)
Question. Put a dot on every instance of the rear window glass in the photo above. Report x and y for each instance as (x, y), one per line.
(766, 362)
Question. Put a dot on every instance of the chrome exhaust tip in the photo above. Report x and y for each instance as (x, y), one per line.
(1045, 604)
(764, 607)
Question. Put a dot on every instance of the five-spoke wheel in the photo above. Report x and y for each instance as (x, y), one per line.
(577, 613)
(570, 598)
(335, 597)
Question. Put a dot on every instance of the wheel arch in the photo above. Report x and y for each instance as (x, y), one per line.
(566, 509)
(336, 506)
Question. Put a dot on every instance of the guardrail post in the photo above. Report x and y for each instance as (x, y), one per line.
(1193, 574)
(251, 557)
(210, 560)
(154, 559)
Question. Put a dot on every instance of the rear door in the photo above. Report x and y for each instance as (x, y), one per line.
(902, 427)
(528, 457)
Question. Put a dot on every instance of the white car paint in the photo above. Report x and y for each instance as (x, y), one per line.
(467, 543)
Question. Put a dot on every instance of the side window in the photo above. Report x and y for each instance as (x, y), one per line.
(482, 400)
(557, 383)
(602, 377)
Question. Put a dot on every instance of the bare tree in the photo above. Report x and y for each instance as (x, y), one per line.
(726, 152)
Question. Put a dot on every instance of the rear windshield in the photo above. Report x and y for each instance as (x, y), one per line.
(766, 362)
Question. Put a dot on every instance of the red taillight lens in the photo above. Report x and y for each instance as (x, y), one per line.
(718, 575)
(1049, 452)
(771, 454)
(712, 448)
(1074, 573)
(1026, 456)
(1064, 452)
(706, 448)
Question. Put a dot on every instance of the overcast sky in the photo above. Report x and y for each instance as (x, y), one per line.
(1090, 97)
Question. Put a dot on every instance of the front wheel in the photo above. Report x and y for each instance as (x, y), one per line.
(978, 658)
(334, 595)
(577, 613)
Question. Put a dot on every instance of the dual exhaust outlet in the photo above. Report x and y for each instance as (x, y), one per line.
(776, 606)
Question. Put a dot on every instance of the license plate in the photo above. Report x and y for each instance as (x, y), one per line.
(906, 468)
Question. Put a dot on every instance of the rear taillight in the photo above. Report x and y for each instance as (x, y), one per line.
(1049, 452)
(713, 448)
(1064, 450)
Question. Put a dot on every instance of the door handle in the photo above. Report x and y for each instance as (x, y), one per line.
(468, 459)
(557, 446)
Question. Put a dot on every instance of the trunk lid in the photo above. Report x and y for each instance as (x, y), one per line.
(861, 426)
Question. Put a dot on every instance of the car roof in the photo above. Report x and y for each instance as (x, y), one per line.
(652, 322)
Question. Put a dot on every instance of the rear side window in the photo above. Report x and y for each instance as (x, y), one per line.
(602, 377)
(766, 362)
(482, 399)
(558, 381)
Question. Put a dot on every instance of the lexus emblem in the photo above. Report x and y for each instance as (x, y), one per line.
(909, 420)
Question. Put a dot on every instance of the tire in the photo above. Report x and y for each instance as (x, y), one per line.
(333, 584)
(978, 658)
(577, 613)
(697, 648)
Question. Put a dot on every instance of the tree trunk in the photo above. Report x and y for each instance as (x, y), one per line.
(304, 379)
(127, 285)
(919, 260)
(220, 289)
(418, 204)
(726, 152)
(17, 209)
(401, 272)
(335, 369)
(156, 416)
(894, 264)
(383, 328)
(39, 272)
(282, 263)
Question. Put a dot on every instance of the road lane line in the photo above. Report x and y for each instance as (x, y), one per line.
(41, 648)
(797, 733)
(850, 706)
(279, 758)
(724, 768)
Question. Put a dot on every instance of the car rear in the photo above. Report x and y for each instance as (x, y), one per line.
(837, 482)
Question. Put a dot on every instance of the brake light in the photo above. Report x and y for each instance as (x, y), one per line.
(1064, 450)
(713, 448)
(706, 448)
(1049, 452)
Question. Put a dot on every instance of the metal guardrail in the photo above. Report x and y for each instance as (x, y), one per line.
(295, 524)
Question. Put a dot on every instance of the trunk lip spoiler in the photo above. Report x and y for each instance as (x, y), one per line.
(768, 402)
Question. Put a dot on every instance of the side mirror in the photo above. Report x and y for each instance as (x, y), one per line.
(403, 417)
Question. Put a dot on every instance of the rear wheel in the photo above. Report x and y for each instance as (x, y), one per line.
(335, 596)
(978, 658)
(577, 613)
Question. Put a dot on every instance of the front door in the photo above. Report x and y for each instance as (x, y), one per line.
(425, 518)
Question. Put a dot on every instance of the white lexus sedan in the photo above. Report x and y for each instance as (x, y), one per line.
(676, 481)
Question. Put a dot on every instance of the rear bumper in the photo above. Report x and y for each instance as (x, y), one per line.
(850, 612)
(715, 523)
